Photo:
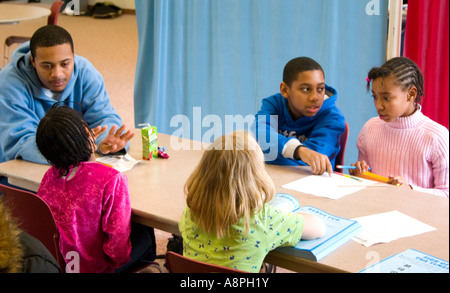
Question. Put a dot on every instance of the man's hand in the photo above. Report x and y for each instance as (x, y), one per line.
(319, 163)
(98, 130)
(116, 140)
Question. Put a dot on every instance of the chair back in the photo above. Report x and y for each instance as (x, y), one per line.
(53, 17)
(176, 263)
(343, 143)
(34, 217)
(11, 40)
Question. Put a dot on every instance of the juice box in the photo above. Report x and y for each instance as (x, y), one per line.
(149, 142)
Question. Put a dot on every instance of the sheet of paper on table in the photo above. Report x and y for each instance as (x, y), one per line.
(121, 163)
(389, 226)
(334, 186)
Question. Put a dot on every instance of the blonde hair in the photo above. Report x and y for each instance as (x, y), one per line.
(229, 183)
(11, 250)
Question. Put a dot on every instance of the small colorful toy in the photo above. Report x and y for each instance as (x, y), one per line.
(162, 153)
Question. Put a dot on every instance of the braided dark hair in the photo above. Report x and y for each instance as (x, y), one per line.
(406, 73)
(64, 138)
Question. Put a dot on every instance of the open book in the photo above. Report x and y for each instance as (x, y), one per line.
(339, 230)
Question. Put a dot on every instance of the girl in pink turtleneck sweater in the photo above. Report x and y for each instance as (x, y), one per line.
(401, 143)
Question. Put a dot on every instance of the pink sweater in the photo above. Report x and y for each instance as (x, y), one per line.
(414, 147)
(93, 215)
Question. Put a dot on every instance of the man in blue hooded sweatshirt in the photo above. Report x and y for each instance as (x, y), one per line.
(301, 125)
(45, 71)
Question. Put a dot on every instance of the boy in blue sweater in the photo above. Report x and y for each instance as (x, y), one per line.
(46, 71)
(301, 125)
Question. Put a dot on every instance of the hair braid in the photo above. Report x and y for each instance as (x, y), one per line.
(406, 73)
(64, 138)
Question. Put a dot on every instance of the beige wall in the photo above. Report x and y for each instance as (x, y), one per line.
(124, 4)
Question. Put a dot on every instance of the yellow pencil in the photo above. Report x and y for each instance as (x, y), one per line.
(376, 177)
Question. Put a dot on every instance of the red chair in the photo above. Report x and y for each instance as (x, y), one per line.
(34, 217)
(55, 9)
(343, 143)
(11, 40)
(177, 263)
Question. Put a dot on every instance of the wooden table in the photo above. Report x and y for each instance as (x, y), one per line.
(156, 186)
(14, 13)
(158, 200)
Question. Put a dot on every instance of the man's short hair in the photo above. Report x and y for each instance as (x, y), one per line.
(49, 36)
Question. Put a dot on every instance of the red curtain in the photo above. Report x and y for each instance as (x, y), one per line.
(426, 42)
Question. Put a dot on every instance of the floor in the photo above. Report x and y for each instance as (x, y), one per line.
(112, 46)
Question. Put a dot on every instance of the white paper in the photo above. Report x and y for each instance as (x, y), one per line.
(121, 163)
(334, 186)
(389, 226)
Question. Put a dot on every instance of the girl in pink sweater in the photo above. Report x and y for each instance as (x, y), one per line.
(401, 143)
(89, 201)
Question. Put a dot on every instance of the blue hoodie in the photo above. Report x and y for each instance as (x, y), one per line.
(321, 133)
(23, 104)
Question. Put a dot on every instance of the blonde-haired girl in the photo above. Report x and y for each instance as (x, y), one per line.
(227, 220)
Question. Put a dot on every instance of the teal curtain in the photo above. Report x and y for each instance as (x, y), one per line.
(201, 61)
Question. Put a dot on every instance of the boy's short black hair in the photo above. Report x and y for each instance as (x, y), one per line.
(64, 138)
(49, 36)
(298, 65)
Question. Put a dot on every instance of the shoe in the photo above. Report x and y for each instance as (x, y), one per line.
(102, 10)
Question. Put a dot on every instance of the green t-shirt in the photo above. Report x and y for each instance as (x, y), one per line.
(269, 229)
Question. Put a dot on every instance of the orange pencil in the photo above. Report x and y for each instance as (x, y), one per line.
(374, 177)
